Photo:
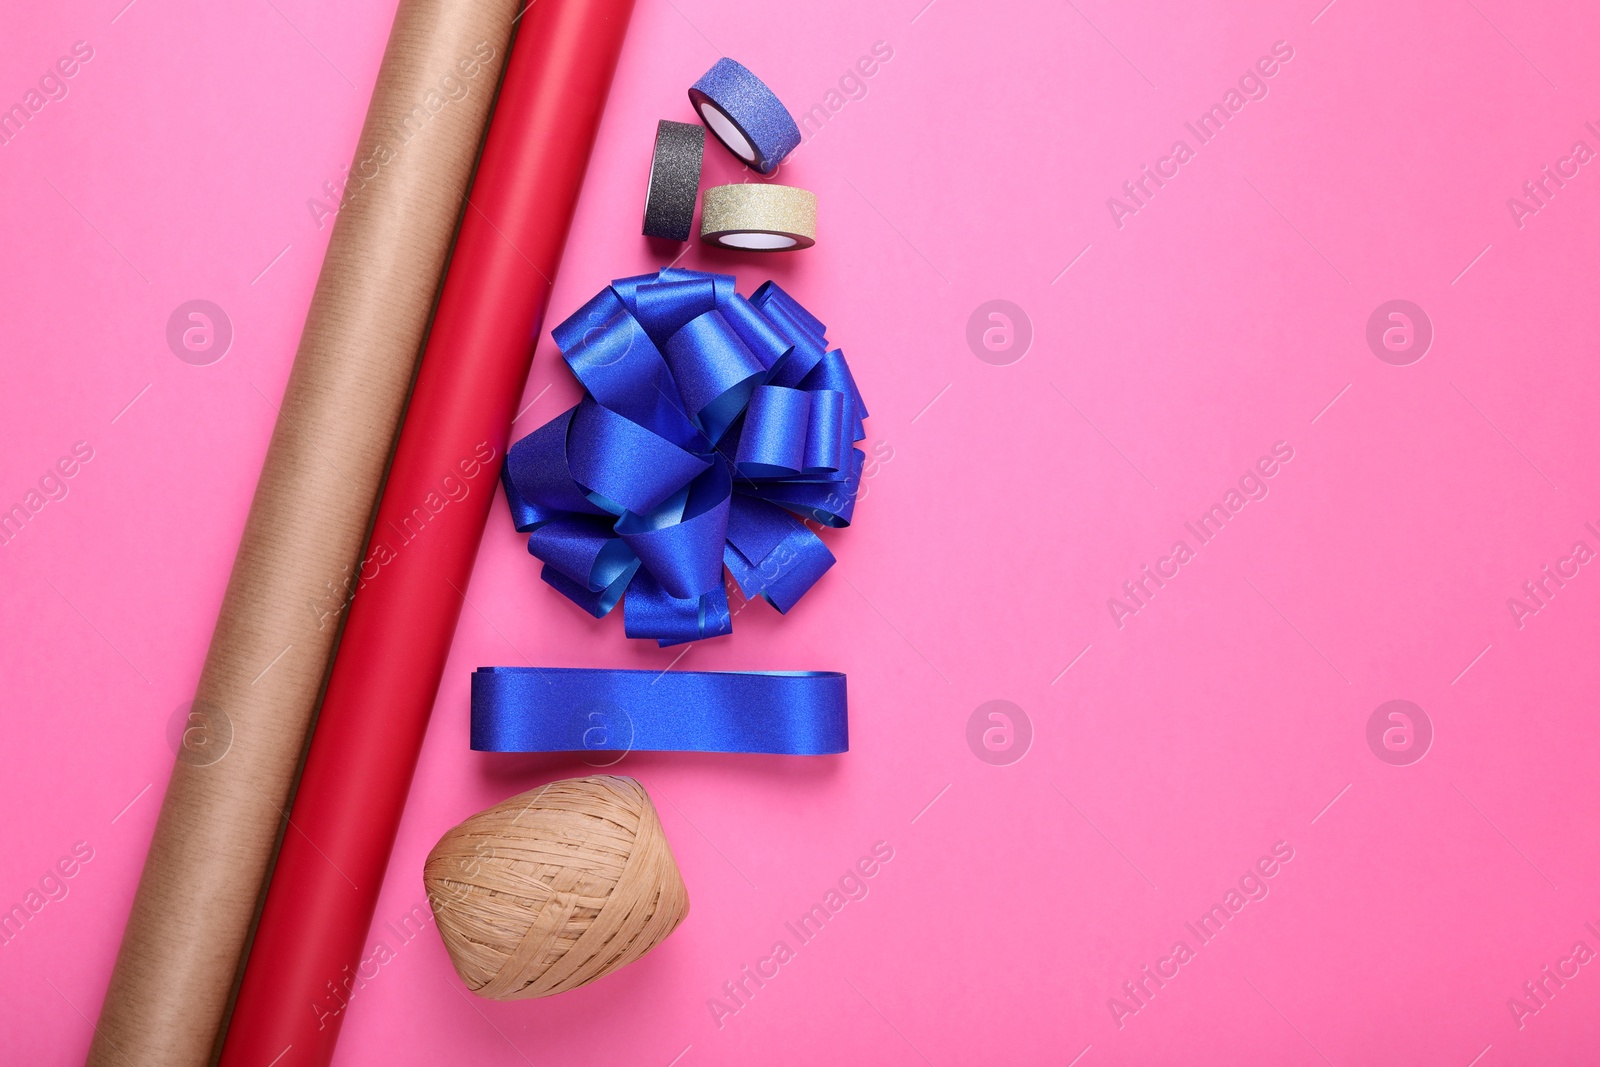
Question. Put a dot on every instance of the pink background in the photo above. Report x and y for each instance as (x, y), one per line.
(1228, 715)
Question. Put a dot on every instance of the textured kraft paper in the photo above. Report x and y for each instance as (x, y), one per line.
(276, 630)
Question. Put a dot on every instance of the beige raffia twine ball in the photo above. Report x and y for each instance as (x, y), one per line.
(554, 888)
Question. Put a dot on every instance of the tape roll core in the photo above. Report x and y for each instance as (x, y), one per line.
(726, 131)
(769, 242)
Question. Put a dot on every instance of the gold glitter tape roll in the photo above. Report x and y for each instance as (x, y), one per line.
(758, 218)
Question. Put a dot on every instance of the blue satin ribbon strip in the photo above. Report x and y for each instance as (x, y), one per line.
(551, 709)
(711, 425)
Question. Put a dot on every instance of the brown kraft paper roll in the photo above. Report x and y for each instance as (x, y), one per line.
(295, 569)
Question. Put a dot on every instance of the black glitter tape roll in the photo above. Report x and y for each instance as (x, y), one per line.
(674, 179)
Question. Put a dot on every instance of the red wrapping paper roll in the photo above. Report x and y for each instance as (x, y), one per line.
(363, 754)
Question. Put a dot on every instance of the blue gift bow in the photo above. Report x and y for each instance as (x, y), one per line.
(564, 709)
(708, 421)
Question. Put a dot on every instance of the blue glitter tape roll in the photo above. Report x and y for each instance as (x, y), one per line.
(745, 115)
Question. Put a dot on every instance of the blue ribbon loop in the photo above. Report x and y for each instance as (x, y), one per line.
(708, 423)
(547, 709)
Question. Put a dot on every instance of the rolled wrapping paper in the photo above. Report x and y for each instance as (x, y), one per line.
(312, 935)
(555, 709)
(745, 115)
(302, 542)
(754, 217)
(674, 180)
